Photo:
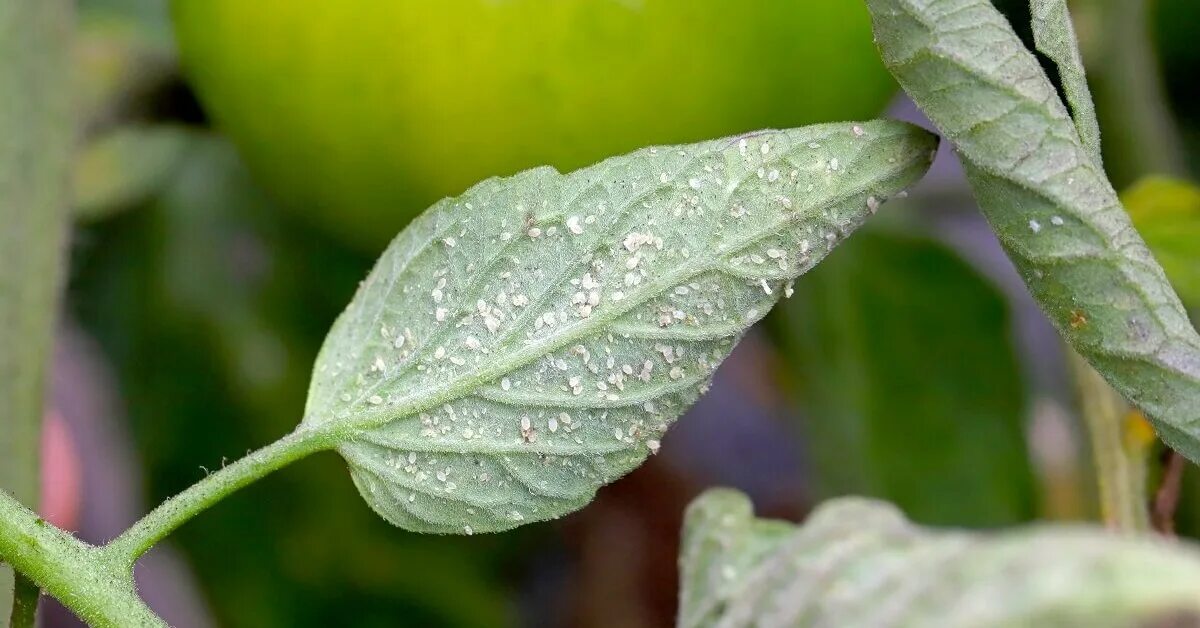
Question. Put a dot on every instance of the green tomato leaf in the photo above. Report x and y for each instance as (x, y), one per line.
(519, 346)
(901, 359)
(858, 562)
(1167, 213)
(1054, 211)
(1054, 36)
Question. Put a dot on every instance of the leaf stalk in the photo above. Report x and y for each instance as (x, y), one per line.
(97, 582)
(176, 511)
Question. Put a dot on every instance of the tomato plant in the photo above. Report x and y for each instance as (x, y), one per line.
(520, 345)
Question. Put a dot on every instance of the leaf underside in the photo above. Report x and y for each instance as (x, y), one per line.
(858, 562)
(523, 344)
(1050, 204)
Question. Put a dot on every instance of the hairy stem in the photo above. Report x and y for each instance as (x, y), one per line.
(179, 509)
(1120, 461)
(97, 582)
(98, 590)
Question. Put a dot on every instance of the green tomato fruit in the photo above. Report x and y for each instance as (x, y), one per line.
(361, 113)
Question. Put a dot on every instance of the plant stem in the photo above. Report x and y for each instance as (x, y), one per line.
(176, 511)
(37, 133)
(1120, 462)
(98, 590)
(25, 602)
(97, 582)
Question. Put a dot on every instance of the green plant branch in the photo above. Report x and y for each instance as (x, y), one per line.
(174, 512)
(37, 127)
(1120, 460)
(80, 576)
(97, 582)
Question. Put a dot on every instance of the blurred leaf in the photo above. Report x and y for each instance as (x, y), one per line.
(36, 133)
(119, 59)
(123, 168)
(900, 357)
(1167, 213)
(151, 17)
(519, 346)
(858, 562)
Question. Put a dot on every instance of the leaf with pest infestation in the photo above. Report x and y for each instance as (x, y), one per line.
(858, 563)
(521, 345)
(1041, 186)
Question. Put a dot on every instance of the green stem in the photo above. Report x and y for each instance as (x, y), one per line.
(25, 602)
(179, 509)
(37, 133)
(1120, 462)
(99, 591)
(97, 582)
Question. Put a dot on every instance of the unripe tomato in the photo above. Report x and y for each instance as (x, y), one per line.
(361, 113)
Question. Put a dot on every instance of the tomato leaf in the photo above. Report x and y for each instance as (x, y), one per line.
(519, 346)
(858, 562)
(1051, 205)
(1054, 36)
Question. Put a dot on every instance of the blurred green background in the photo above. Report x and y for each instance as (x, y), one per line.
(240, 169)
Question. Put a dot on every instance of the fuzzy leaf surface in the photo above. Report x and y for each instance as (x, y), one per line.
(1051, 205)
(1054, 36)
(523, 344)
(859, 562)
